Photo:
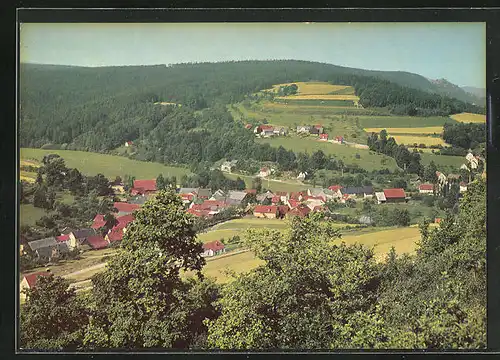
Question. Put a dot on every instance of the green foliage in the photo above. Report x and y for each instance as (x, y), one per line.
(52, 317)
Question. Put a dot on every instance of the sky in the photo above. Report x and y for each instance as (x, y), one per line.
(454, 51)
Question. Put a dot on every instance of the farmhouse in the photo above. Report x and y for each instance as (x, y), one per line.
(395, 195)
(339, 139)
(218, 195)
(204, 194)
(365, 191)
(97, 242)
(283, 210)
(303, 129)
(264, 172)
(302, 176)
(318, 129)
(67, 241)
(264, 211)
(187, 198)
(192, 191)
(463, 187)
(236, 197)
(128, 143)
(143, 187)
(80, 236)
(426, 189)
(213, 248)
(125, 208)
(98, 222)
(301, 211)
(48, 248)
(29, 281)
(323, 137)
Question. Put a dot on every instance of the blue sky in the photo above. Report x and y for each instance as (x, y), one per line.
(454, 51)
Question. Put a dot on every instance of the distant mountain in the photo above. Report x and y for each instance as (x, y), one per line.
(477, 92)
(444, 87)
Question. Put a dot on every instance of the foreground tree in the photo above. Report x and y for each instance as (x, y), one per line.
(52, 317)
(140, 301)
(306, 286)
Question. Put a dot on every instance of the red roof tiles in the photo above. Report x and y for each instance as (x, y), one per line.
(147, 185)
(335, 187)
(426, 187)
(97, 242)
(32, 278)
(125, 207)
(116, 234)
(213, 245)
(301, 211)
(98, 221)
(62, 238)
(265, 209)
(394, 193)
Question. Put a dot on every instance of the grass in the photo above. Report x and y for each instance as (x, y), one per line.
(403, 239)
(28, 214)
(405, 130)
(412, 139)
(319, 97)
(469, 118)
(311, 101)
(217, 235)
(443, 160)
(109, 165)
(240, 262)
(246, 223)
(368, 160)
(27, 176)
(402, 121)
(315, 87)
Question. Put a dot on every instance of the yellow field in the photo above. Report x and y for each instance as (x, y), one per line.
(410, 140)
(469, 118)
(313, 87)
(417, 130)
(27, 176)
(403, 239)
(319, 97)
(29, 163)
(424, 150)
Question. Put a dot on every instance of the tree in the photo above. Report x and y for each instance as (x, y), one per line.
(75, 182)
(293, 300)
(141, 301)
(52, 317)
(110, 222)
(240, 184)
(100, 184)
(257, 184)
(55, 171)
(430, 173)
(40, 197)
(161, 184)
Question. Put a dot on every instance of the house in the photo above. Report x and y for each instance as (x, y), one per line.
(301, 211)
(323, 137)
(394, 195)
(292, 203)
(303, 129)
(437, 220)
(204, 194)
(219, 195)
(139, 200)
(228, 166)
(265, 211)
(187, 198)
(319, 194)
(192, 191)
(143, 187)
(318, 128)
(236, 197)
(426, 189)
(264, 172)
(318, 208)
(280, 132)
(80, 236)
(275, 199)
(283, 210)
(345, 197)
(302, 176)
(29, 281)
(97, 242)
(264, 197)
(48, 248)
(125, 208)
(473, 160)
(248, 126)
(463, 187)
(98, 222)
(312, 204)
(71, 243)
(365, 191)
(380, 197)
(314, 131)
(128, 143)
(114, 235)
(267, 133)
(339, 139)
(213, 248)
(118, 189)
(251, 191)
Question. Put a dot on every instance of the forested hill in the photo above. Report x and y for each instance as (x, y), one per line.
(99, 108)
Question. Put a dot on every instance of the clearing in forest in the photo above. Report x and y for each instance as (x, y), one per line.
(410, 140)
(405, 130)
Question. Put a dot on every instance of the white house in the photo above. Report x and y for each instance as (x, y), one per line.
(264, 172)
(463, 187)
(302, 176)
(426, 189)
(380, 197)
(213, 248)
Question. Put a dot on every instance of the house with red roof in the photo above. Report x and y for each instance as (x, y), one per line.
(248, 126)
(323, 137)
(29, 281)
(283, 210)
(264, 172)
(123, 221)
(426, 188)
(299, 196)
(266, 211)
(128, 143)
(125, 208)
(97, 242)
(115, 234)
(292, 203)
(394, 195)
(213, 248)
(98, 221)
(301, 211)
(335, 188)
(68, 240)
(275, 199)
(143, 187)
(339, 139)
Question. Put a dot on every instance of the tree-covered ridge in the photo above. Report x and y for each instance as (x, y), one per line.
(100, 108)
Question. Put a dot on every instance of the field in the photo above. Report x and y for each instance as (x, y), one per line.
(316, 87)
(469, 118)
(405, 130)
(319, 97)
(403, 121)
(443, 160)
(368, 160)
(27, 176)
(411, 139)
(109, 165)
(238, 262)
(403, 239)
(311, 101)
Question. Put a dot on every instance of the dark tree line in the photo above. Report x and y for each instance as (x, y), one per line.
(465, 136)
(410, 161)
